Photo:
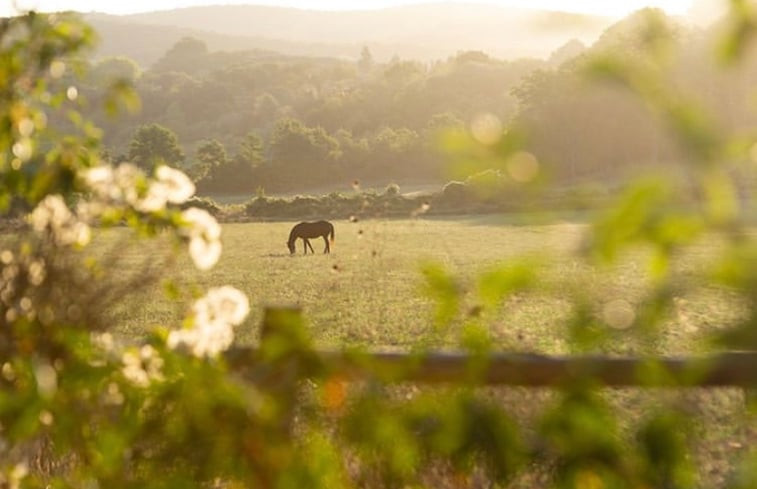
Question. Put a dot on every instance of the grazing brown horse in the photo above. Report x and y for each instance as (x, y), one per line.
(306, 230)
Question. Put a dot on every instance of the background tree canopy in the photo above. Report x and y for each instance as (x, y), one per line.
(377, 121)
(153, 144)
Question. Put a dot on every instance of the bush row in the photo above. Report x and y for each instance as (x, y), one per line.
(454, 198)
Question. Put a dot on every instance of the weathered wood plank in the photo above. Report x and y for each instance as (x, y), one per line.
(737, 369)
(725, 369)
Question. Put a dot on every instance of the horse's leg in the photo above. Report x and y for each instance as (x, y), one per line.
(307, 244)
(326, 240)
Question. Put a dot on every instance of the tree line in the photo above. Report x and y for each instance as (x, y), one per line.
(242, 121)
(245, 120)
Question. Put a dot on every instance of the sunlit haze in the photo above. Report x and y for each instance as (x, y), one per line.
(598, 7)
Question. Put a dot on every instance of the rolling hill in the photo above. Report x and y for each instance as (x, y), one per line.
(424, 32)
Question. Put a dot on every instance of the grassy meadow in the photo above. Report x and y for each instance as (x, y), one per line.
(369, 292)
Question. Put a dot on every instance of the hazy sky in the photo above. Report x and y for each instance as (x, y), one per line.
(613, 8)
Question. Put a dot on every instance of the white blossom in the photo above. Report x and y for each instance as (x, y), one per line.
(103, 341)
(37, 272)
(52, 214)
(143, 366)
(88, 210)
(225, 304)
(113, 395)
(154, 200)
(77, 232)
(204, 253)
(203, 224)
(126, 177)
(204, 234)
(12, 477)
(47, 379)
(170, 185)
(127, 184)
(100, 179)
(213, 319)
(115, 185)
(206, 340)
(178, 186)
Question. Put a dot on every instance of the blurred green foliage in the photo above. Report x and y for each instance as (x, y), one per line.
(79, 411)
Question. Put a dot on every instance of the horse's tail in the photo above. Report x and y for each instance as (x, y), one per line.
(331, 237)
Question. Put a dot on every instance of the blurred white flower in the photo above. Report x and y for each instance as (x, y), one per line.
(89, 210)
(204, 234)
(52, 214)
(100, 179)
(10, 272)
(126, 184)
(154, 200)
(143, 366)
(115, 185)
(76, 232)
(23, 149)
(170, 185)
(126, 177)
(12, 477)
(47, 379)
(103, 341)
(178, 187)
(37, 272)
(203, 224)
(46, 417)
(206, 340)
(204, 254)
(179, 338)
(225, 304)
(214, 316)
(113, 395)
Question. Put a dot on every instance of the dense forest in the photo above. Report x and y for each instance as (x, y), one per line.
(246, 120)
(249, 121)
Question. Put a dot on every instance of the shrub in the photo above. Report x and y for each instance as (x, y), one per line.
(392, 189)
(205, 203)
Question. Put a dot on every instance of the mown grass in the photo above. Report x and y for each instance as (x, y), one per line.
(369, 292)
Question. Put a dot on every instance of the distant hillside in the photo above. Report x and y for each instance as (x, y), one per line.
(423, 32)
(146, 43)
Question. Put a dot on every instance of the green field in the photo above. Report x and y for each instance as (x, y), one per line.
(369, 290)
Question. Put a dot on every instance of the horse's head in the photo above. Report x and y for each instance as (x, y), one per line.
(290, 245)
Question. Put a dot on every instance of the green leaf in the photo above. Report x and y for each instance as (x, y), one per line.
(504, 280)
(444, 289)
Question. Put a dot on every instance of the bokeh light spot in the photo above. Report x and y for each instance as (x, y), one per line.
(486, 128)
(57, 68)
(618, 314)
(522, 167)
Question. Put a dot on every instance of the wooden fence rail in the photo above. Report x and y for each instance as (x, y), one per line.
(724, 369)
